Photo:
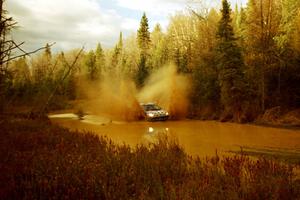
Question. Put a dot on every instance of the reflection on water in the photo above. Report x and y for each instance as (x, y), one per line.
(152, 133)
(157, 130)
(150, 130)
(197, 137)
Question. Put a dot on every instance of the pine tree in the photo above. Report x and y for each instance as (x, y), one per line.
(230, 64)
(144, 35)
(100, 59)
(117, 57)
(90, 62)
(143, 38)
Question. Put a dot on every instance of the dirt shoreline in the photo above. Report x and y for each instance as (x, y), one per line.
(280, 126)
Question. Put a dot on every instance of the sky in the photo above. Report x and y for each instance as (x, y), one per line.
(76, 23)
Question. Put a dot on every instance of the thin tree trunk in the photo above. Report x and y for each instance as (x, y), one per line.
(263, 58)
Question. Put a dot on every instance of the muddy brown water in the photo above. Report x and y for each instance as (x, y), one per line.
(202, 138)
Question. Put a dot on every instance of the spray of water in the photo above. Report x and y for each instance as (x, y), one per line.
(114, 98)
(118, 98)
(168, 89)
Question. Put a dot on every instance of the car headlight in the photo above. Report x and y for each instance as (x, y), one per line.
(150, 115)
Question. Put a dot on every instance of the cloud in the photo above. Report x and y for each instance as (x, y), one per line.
(74, 23)
(169, 7)
(69, 23)
(130, 24)
(154, 7)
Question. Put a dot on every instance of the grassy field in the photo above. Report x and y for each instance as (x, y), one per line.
(43, 161)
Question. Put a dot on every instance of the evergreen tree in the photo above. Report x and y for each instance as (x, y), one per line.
(117, 57)
(118, 51)
(144, 35)
(90, 62)
(99, 51)
(230, 64)
(142, 72)
(100, 59)
(144, 41)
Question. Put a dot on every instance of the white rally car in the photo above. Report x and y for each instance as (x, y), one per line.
(154, 113)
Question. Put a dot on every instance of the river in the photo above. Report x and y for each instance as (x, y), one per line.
(201, 138)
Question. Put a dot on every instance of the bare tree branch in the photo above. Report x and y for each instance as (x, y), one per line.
(18, 46)
(14, 46)
(8, 26)
(25, 54)
(6, 20)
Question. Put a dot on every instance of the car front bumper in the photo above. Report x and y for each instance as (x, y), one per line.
(158, 118)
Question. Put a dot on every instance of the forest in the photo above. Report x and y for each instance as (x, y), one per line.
(234, 64)
(240, 62)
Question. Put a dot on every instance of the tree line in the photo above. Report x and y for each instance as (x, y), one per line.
(241, 62)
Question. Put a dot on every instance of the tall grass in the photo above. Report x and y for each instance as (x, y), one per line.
(42, 161)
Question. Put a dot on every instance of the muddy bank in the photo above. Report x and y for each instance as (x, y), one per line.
(279, 117)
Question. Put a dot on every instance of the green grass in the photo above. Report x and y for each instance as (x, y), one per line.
(43, 161)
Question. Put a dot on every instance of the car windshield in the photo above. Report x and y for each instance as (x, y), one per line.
(150, 107)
